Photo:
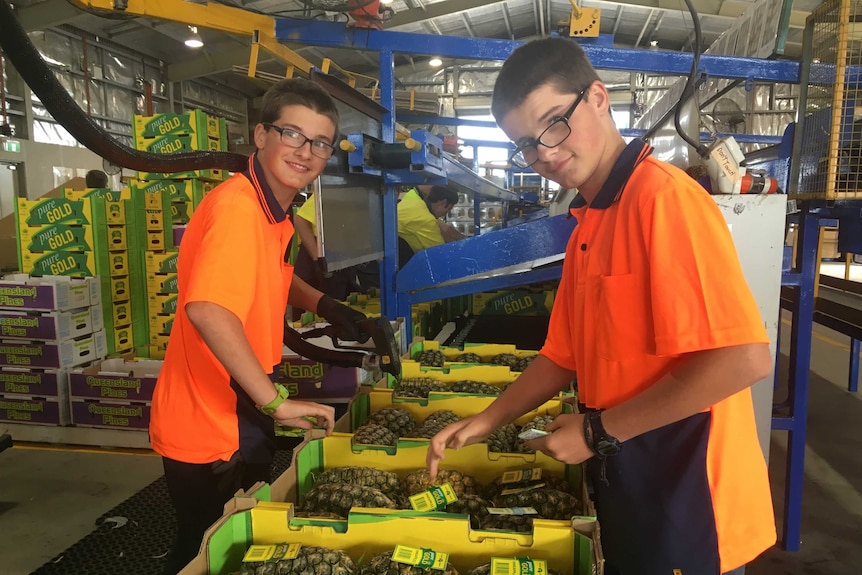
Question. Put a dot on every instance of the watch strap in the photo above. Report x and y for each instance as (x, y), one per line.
(281, 397)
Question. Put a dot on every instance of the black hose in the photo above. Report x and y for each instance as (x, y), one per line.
(29, 64)
(294, 341)
(688, 90)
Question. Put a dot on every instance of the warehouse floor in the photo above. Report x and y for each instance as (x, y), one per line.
(50, 498)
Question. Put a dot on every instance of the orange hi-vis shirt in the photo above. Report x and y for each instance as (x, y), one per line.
(232, 254)
(651, 273)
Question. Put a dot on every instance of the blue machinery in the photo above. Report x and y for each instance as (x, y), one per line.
(527, 254)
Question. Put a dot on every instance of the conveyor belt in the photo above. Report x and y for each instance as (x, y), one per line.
(140, 545)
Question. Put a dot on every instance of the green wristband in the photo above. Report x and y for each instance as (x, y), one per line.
(270, 407)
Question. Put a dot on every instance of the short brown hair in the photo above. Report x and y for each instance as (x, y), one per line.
(297, 92)
(556, 61)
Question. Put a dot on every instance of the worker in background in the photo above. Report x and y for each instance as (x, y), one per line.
(447, 230)
(96, 179)
(337, 284)
(215, 404)
(418, 216)
(655, 317)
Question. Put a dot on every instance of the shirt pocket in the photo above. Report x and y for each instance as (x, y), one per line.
(621, 318)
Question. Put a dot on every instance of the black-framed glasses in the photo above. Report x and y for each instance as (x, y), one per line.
(294, 139)
(555, 134)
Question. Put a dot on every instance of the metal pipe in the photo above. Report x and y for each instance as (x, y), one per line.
(619, 18)
(540, 17)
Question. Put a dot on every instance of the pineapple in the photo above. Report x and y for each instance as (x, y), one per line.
(469, 358)
(419, 387)
(434, 423)
(549, 503)
(385, 481)
(505, 359)
(503, 439)
(384, 565)
(442, 415)
(371, 434)
(475, 387)
(398, 421)
(515, 523)
(538, 422)
(472, 505)
(318, 515)
(419, 480)
(431, 358)
(523, 362)
(339, 498)
(309, 561)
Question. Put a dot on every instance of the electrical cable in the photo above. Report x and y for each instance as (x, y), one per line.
(687, 91)
(689, 88)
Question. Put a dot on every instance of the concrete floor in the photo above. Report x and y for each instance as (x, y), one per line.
(49, 499)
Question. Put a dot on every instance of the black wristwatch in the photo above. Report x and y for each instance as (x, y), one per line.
(602, 443)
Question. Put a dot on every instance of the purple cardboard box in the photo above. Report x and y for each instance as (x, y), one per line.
(95, 413)
(31, 410)
(19, 291)
(306, 379)
(116, 379)
(50, 325)
(35, 382)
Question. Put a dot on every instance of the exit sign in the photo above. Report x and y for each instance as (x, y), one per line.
(13, 146)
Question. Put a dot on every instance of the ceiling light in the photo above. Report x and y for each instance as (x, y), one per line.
(194, 41)
(386, 1)
(435, 61)
(654, 43)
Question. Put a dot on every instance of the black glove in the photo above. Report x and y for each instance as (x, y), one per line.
(344, 319)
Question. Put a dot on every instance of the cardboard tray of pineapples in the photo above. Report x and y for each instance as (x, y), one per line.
(381, 416)
(273, 540)
(429, 353)
(498, 492)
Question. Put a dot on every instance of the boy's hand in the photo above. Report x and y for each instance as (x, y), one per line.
(293, 413)
(343, 318)
(566, 441)
(473, 429)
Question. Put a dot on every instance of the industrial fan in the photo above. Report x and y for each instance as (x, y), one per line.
(365, 13)
(727, 117)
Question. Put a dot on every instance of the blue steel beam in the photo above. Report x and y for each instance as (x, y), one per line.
(485, 254)
(336, 34)
(550, 273)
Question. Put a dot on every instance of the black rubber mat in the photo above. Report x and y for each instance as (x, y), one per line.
(134, 537)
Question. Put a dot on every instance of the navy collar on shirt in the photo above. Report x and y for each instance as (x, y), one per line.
(273, 210)
(633, 154)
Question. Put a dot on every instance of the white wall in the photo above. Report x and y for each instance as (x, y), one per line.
(39, 161)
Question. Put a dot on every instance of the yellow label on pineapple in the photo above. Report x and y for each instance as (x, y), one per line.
(434, 498)
(424, 558)
(263, 553)
(518, 566)
(512, 511)
(515, 490)
(522, 475)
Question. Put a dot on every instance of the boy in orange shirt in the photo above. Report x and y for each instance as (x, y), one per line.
(215, 404)
(655, 317)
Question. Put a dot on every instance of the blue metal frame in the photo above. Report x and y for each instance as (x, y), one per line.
(853, 377)
(800, 362)
(518, 245)
(336, 34)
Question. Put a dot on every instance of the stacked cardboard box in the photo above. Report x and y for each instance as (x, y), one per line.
(115, 394)
(87, 233)
(47, 325)
(167, 202)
